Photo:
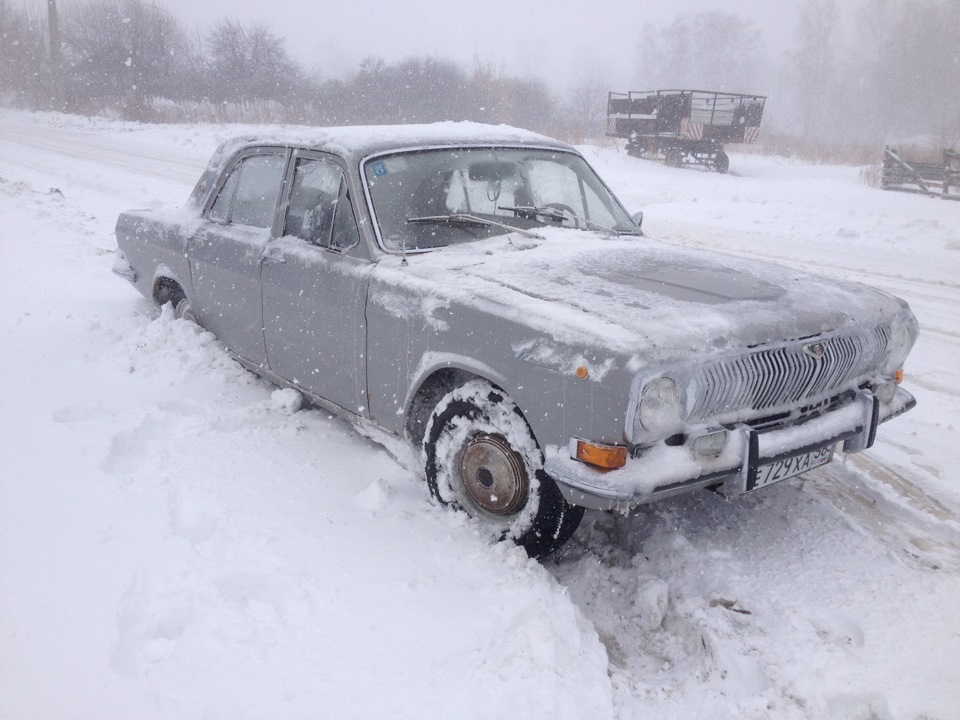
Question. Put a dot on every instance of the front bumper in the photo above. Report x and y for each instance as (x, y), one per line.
(663, 471)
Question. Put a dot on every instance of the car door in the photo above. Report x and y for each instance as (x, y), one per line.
(314, 282)
(226, 252)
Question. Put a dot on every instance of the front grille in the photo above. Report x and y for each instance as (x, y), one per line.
(780, 377)
(804, 414)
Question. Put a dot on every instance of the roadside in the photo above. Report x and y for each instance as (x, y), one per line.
(177, 540)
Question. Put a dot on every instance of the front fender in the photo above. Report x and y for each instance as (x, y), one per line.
(410, 338)
(432, 361)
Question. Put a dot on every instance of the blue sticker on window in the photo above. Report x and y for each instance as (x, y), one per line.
(379, 169)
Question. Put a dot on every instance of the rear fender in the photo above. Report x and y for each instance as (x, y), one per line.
(165, 274)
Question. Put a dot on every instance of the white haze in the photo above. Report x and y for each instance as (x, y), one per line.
(565, 42)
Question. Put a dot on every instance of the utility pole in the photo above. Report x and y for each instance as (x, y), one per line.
(56, 57)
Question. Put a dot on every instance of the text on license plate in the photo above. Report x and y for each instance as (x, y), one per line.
(788, 467)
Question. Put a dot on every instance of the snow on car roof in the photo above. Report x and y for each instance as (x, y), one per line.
(359, 141)
(362, 140)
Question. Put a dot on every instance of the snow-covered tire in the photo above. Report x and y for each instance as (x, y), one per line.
(481, 457)
(168, 291)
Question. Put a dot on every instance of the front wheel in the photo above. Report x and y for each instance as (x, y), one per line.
(184, 310)
(481, 457)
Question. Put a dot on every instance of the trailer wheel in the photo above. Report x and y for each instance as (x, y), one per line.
(673, 158)
(721, 163)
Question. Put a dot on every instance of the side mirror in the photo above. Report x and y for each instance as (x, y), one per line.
(638, 219)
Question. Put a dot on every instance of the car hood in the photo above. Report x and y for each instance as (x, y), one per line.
(635, 295)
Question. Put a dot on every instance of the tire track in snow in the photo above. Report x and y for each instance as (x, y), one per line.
(915, 527)
(691, 235)
(122, 153)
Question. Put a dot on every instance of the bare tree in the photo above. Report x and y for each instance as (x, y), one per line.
(584, 112)
(909, 62)
(711, 50)
(25, 73)
(531, 104)
(429, 90)
(123, 50)
(812, 68)
(249, 62)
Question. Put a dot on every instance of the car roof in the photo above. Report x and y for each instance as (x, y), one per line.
(357, 142)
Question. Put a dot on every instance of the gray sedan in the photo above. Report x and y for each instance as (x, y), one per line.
(478, 296)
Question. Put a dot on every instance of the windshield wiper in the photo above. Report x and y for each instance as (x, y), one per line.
(546, 211)
(467, 219)
(555, 213)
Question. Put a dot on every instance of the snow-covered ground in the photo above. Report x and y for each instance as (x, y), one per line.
(178, 540)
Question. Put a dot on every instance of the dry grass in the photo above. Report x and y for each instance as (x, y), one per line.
(816, 152)
(819, 152)
(186, 113)
(914, 152)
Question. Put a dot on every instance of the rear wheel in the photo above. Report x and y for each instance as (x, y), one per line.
(482, 458)
(721, 163)
(168, 291)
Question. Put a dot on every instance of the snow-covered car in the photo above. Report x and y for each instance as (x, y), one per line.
(478, 293)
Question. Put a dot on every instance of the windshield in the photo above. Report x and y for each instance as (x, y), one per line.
(432, 198)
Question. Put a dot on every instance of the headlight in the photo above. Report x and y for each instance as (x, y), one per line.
(659, 408)
(903, 334)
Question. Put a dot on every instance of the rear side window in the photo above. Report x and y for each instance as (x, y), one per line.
(249, 196)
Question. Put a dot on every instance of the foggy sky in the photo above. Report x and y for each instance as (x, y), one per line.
(562, 41)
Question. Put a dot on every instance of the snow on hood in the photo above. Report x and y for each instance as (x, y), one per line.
(634, 295)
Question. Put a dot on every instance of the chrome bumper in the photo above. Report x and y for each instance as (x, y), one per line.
(663, 471)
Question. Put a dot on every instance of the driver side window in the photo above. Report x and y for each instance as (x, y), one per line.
(319, 210)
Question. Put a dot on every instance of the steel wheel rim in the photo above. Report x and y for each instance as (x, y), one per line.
(493, 478)
(185, 311)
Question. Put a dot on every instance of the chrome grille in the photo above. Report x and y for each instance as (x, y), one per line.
(771, 378)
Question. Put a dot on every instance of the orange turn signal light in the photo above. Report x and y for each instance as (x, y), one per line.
(608, 457)
(898, 376)
(582, 372)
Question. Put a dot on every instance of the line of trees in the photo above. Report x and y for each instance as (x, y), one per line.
(125, 53)
(135, 59)
(901, 74)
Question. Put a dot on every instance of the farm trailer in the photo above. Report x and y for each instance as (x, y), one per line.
(684, 126)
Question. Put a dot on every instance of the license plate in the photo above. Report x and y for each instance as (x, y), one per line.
(788, 467)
